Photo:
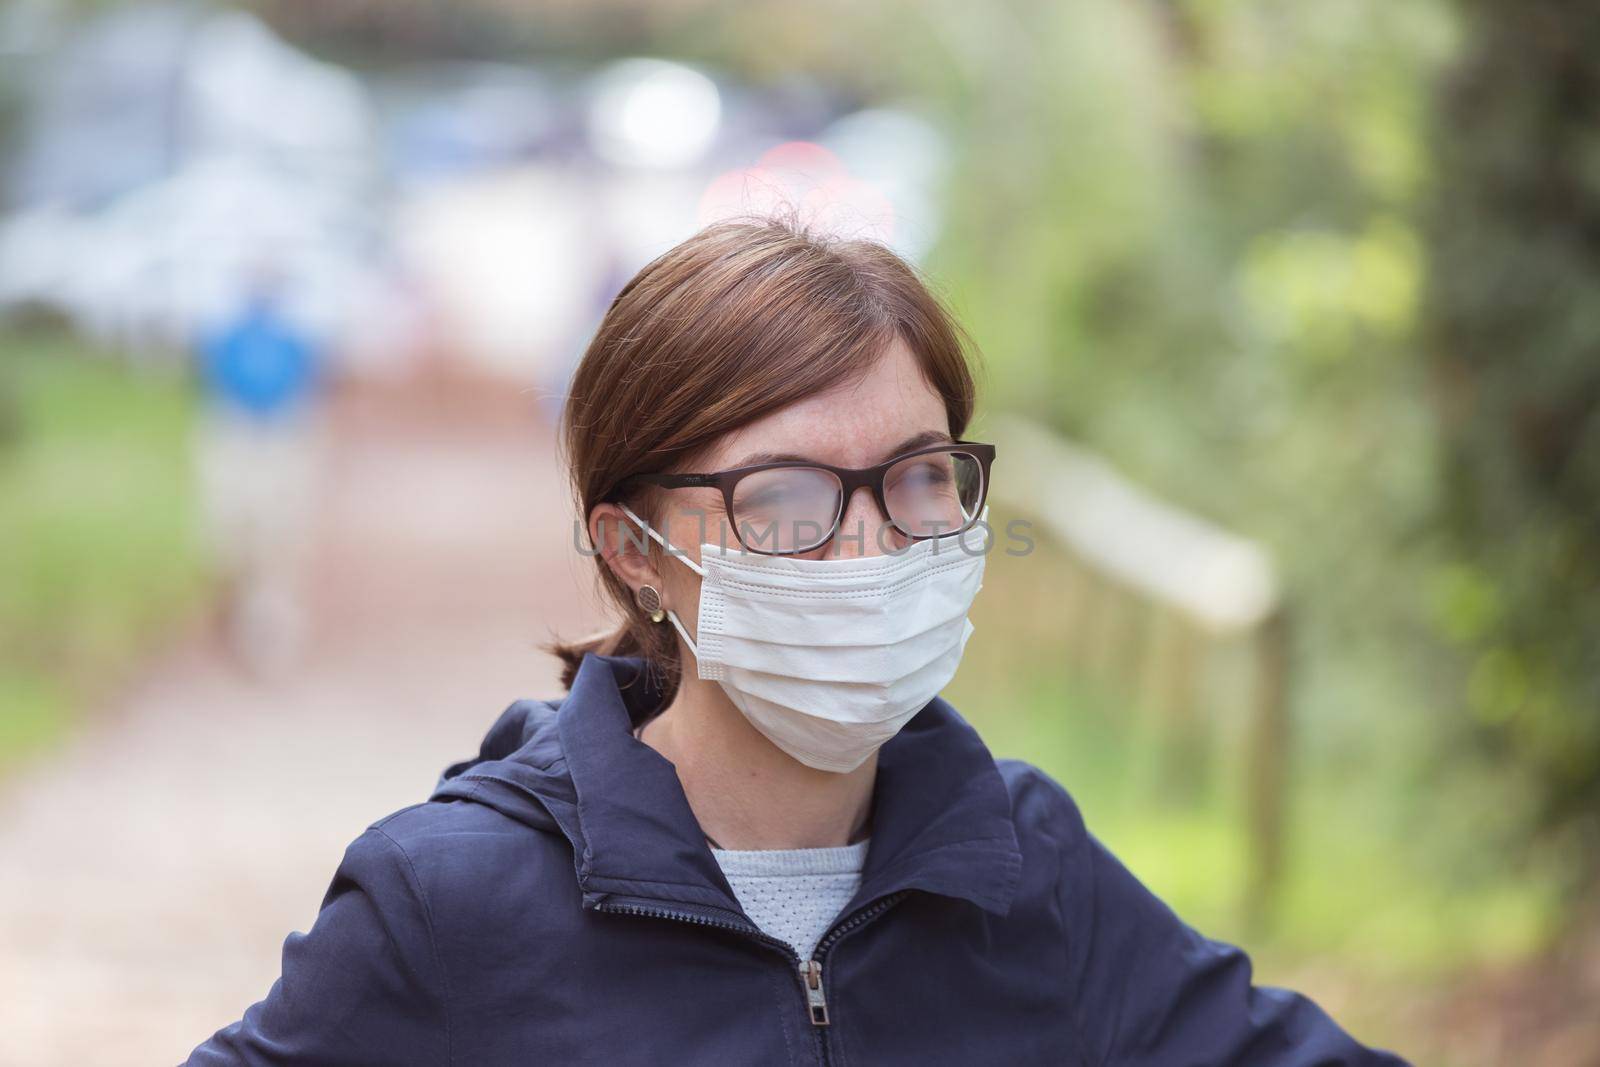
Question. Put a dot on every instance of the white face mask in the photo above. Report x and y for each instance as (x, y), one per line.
(829, 658)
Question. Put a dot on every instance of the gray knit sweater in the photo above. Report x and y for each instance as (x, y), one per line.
(794, 893)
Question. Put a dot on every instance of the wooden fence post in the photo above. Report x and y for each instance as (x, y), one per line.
(1267, 793)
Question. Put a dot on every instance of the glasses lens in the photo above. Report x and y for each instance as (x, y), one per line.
(934, 493)
(786, 509)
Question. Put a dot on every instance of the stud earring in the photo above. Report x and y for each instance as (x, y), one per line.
(649, 598)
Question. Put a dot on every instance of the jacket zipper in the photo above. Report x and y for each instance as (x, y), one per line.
(809, 971)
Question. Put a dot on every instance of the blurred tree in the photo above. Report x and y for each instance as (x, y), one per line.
(1514, 338)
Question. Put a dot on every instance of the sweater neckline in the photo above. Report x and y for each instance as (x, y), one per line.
(827, 859)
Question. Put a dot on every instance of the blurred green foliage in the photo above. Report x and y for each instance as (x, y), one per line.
(97, 522)
(1514, 337)
(1196, 236)
(1187, 236)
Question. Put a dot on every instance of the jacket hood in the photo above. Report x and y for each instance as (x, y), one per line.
(942, 817)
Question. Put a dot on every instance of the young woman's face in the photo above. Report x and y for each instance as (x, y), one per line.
(891, 410)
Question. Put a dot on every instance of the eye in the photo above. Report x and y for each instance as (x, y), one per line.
(914, 475)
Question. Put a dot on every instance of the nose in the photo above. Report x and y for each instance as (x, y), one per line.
(864, 530)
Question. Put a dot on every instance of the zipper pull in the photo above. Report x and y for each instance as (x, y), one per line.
(811, 971)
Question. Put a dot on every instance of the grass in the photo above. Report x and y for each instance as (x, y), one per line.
(97, 524)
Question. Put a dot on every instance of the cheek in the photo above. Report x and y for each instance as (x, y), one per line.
(682, 594)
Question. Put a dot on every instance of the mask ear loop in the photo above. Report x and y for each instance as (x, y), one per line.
(662, 541)
(672, 616)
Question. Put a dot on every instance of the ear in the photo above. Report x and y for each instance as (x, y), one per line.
(623, 546)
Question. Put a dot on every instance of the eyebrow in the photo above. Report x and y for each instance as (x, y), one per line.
(915, 441)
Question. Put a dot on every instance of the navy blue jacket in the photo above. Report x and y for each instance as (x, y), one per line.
(555, 902)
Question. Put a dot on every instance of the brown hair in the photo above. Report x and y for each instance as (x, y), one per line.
(740, 320)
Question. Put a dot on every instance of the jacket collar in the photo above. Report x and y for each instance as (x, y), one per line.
(941, 812)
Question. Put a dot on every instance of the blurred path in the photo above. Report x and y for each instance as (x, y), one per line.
(150, 871)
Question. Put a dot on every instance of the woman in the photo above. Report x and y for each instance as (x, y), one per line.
(752, 833)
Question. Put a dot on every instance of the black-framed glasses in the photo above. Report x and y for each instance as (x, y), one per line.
(791, 506)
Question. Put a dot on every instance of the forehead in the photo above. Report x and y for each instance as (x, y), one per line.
(853, 424)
